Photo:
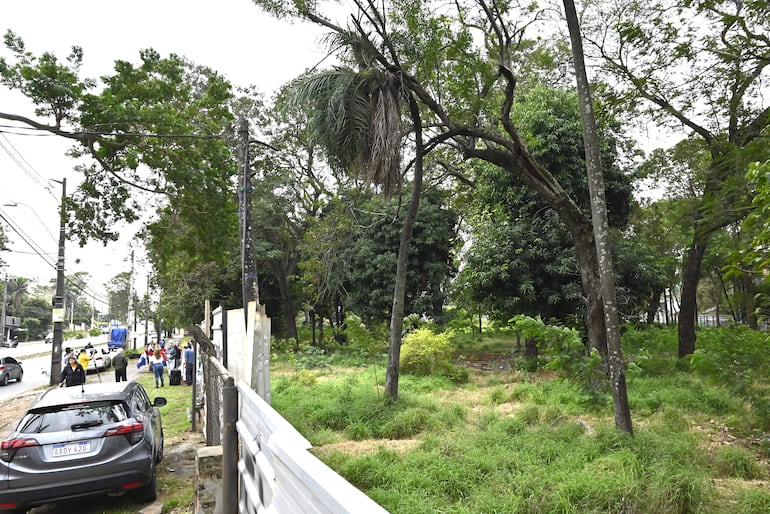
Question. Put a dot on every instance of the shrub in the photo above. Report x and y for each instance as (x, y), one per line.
(305, 378)
(426, 353)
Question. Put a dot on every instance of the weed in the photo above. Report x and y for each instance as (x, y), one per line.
(736, 462)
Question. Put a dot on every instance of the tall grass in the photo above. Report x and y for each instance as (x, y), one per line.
(510, 442)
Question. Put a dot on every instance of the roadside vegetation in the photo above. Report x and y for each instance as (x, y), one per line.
(503, 433)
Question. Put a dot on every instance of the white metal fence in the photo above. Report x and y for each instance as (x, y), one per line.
(277, 474)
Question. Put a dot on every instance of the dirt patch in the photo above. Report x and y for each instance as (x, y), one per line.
(179, 455)
(12, 410)
(368, 447)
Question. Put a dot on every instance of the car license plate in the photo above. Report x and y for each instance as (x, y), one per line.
(64, 450)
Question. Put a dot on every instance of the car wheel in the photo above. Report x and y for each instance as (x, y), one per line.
(4, 381)
(21, 374)
(149, 492)
(159, 455)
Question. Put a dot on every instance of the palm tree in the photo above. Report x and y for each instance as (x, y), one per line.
(357, 117)
(19, 287)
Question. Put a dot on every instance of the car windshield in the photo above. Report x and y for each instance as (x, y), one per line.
(73, 417)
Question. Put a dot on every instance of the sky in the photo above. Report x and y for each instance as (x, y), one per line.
(233, 37)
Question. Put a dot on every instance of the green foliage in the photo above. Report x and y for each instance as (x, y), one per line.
(736, 356)
(311, 358)
(426, 353)
(736, 462)
(537, 444)
(749, 501)
(306, 378)
(565, 350)
(522, 258)
(751, 258)
(192, 237)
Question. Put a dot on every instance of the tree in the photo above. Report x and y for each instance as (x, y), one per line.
(291, 189)
(700, 65)
(356, 116)
(18, 288)
(749, 262)
(521, 258)
(118, 291)
(464, 93)
(156, 136)
(648, 259)
(615, 364)
(373, 256)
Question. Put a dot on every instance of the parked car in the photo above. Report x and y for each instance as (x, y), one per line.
(100, 361)
(75, 442)
(10, 343)
(10, 369)
(48, 338)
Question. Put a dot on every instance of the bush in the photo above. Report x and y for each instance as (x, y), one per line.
(426, 353)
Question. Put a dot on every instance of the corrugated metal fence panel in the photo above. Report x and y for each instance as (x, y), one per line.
(305, 484)
(275, 465)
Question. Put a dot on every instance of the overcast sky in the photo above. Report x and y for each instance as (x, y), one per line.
(232, 37)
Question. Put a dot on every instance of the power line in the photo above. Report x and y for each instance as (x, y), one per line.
(26, 166)
(37, 250)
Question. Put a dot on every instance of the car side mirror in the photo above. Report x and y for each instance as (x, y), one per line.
(159, 402)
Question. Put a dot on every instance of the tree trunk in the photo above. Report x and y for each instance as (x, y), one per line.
(689, 303)
(287, 305)
(399, 292)
(654, 306)
(601, 229)
(749, 304)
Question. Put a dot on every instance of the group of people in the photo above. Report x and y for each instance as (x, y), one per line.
(174, 359)
(74, 366)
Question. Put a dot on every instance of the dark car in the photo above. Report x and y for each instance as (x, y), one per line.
(101, 438)
(10, 369)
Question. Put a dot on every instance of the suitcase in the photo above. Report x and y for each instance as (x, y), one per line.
(175, 377)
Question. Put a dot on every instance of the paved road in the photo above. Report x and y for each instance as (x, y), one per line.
(35, 357)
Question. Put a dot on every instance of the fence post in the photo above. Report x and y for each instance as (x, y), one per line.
(229, 446)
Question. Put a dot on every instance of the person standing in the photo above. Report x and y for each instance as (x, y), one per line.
(73, 374)
(120, 363)
(68, 352)
(156, 365)
(83, 359)
(188, 357)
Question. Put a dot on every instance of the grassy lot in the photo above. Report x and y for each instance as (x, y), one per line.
(510, 440)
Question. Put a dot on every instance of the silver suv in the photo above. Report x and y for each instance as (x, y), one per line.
(83, 440)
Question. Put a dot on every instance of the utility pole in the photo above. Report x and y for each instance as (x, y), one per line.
(131, 301)
(58, 299)
(130, 291)
(147, 311)
(248, 259)
(2, 314)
